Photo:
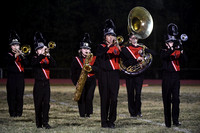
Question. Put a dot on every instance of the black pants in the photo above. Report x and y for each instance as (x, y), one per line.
(85, 103)
(134, 88)
(15, 93)
(108, 82)
(170, 95)
(41, 95)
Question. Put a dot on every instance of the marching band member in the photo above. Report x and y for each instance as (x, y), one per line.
(85, 103)
(15, 80)
(131, 55)
(171, 55)
(108, 75)
(41, 91)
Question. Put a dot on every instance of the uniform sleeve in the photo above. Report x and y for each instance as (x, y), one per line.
(101, 50)
(165, 53)
(52, 62)
(75, 71)
(36, 60)
(10, 59)
(127, 59)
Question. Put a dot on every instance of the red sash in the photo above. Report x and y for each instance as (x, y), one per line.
(91, 63)
(134, 51)
(46, 71)
(18, 64)
(176, 54)
(114, 62)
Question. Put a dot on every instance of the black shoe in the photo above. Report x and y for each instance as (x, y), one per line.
(168, 125)
(111, 125)
(139, 115)
(177, 124)
(104, 125)
(39, 126)
(47, 126)
(19, 114)
(133, 116)
(87, 115)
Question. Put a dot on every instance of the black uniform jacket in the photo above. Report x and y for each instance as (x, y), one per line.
(76, 68)
(107, 58)
(171, 59)
(41, 65)
(15, 65)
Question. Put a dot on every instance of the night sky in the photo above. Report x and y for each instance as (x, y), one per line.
(66, 21)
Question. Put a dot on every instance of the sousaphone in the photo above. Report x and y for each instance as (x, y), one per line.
(140, 23)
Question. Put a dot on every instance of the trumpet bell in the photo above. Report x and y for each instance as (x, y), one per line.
(51, 45)
(184, 37)
(140, 22)
(26, 49)
(120, 39)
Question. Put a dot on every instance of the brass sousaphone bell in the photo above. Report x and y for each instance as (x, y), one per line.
(140, 23)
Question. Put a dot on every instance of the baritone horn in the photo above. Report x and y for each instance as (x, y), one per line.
(140, 23)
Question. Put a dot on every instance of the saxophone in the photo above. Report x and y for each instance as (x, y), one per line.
(83, 77)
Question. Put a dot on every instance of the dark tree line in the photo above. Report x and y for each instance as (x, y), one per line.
(65, 22)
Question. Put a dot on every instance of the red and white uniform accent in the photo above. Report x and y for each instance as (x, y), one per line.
(46, 71)
(18, 63)
(91, 63)
(134, 51)
(175, 62)
(113, 53)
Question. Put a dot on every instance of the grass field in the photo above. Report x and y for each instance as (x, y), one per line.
(64, 113)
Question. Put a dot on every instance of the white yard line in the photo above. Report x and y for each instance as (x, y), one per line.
(122, 115)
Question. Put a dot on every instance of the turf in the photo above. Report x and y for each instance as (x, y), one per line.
(64, 115)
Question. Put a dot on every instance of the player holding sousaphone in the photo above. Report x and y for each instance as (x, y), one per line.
(135, 57)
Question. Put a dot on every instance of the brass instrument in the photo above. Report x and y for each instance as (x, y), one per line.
(26, 49)
(51, 45)
(184, 37)
(83, 77)
(140, 23)
(141, 66)
(120, 39)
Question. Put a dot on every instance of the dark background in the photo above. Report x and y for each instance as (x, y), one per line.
(66, 21)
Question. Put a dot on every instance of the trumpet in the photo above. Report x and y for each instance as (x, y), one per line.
(51, 45)
(184, 37)
(24, 51)
(120, 39)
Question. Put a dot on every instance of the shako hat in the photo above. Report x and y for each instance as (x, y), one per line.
(39, 41)
(13, 38)
(85, 43)
(172, 29)
(109, 28)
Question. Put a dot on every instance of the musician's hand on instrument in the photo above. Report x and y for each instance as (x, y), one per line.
(17, 52)
(140, 59)
(47, 54)
(140, 51)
